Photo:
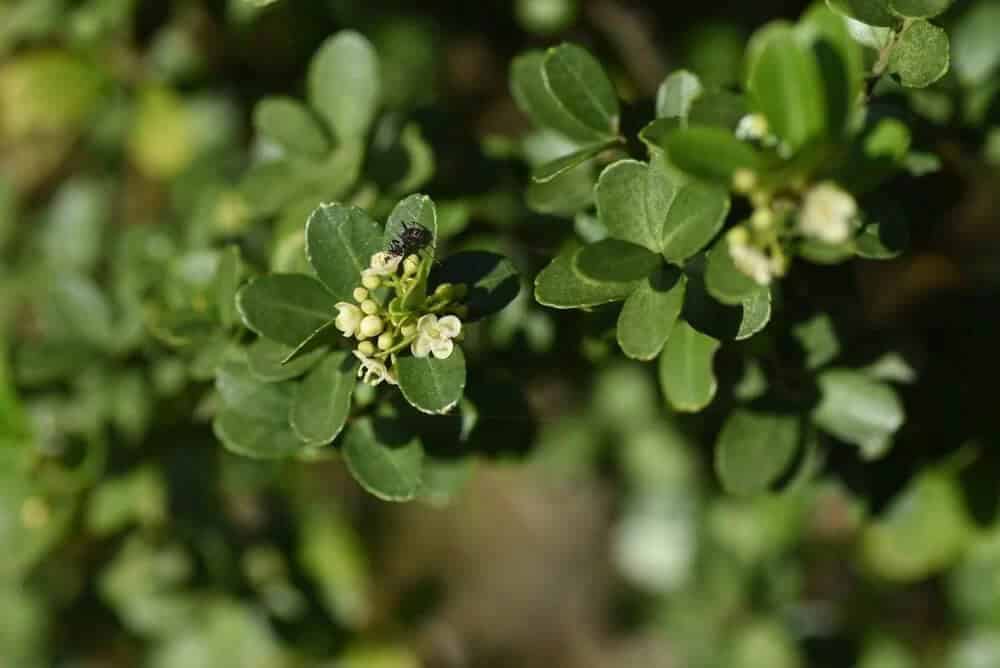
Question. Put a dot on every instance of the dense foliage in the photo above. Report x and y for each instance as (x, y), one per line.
(684, 365)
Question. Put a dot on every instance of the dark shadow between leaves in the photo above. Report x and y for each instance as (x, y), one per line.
(492, 279)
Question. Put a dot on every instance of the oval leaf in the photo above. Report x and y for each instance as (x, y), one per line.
(921, 55)
(383, 459)
(344, 84)
(323, 400)
(578, 83)
(754, 449)
(291, 125)
(859, 410)
(686, 373)
(286, 308)
(649, 314)
(528, 88)
(340, 241)
(432, 385)
(560, 285)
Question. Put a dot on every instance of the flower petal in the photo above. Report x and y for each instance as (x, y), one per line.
(450, 326)
(427, 323)
(421, 347)
(442, 349)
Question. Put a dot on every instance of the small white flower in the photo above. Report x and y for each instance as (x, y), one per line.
(434, 336)
(752, 261)
(383, 264)
(372, 371)
(348, 318)
(752, 127)
(827, 213)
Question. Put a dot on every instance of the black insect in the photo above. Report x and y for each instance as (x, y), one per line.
(413, 239)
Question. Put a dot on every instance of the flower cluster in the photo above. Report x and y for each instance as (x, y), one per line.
(392, 314)
(822, 212)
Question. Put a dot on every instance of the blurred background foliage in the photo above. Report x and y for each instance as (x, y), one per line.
(589, 530)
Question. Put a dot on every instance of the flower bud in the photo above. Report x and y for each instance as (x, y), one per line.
(369, 307)
(744, 180)
(370, 281)
(738, 236)
(444, 291)
(366, 348)
(761, 220)
(408, 329)
(360, 294)
(371, 325)
(385, 341)
(410, 265)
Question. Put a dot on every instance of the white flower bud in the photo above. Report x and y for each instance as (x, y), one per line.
(410, 265)
(348, 318)
(827, 213)
(360, 294)
(371, 325)
(370, 281)
(744, 180)
(366, 348)
(385, 341)
(369, 307)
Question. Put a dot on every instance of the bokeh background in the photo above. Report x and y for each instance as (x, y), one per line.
(587, 530)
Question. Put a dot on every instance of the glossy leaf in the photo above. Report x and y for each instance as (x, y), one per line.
(649, 314)
(561, 285)
(975, 47)
(872, 12)
(709, 152)
(550, 170)
(266, 360)
(686, 373)
(676, 94)
(340, 241)
(286, 308)
(787, 87)
(696, 215)
(322, 400)
(415, 209)
(578, 83)
(534, 98)
(383, 459)
(919, 9)
(633, 200)
(432, 385)
(343, 84)
(754, 449)
(491, 279)
(254, 436)
(723, 280)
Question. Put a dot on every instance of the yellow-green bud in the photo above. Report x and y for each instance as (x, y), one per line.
(371, 325)
(762, 219)
(738, 236)
(459, 290)
(409, 329)
(370, 281)
(410, 265)
(385, 341)
(360, 294)
(366, 348)
(744, 180)
(369, 307)
(444, 290)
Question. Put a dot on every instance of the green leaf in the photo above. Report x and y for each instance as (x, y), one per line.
(246, 395)
(818, 339)
(756, 314)
(82, 309)
(708, 152)
(786, 85)
(923, 530)
(266, 360)
(269, 186)
(686, 373)
(322, 401)
(921, 55)
(291, 125)
(696, 215)
(859, 410)
(254, 436)
(534, 99)
(561, 285)
(432, 385)
(492, 281)
(343, 84)
(919, 9)
(550, 170)
(578, 83)
(976, 49)
(286, 308)
(633, 200)
(384, 459)
(565, 195)
(872, 12)
(676, 95)
(754, 449)
(723, 280)
(417, 209)
(340, 241)
(841, 64)
(327, 335)
(614, 261)
(649, 314)
(227, 281)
